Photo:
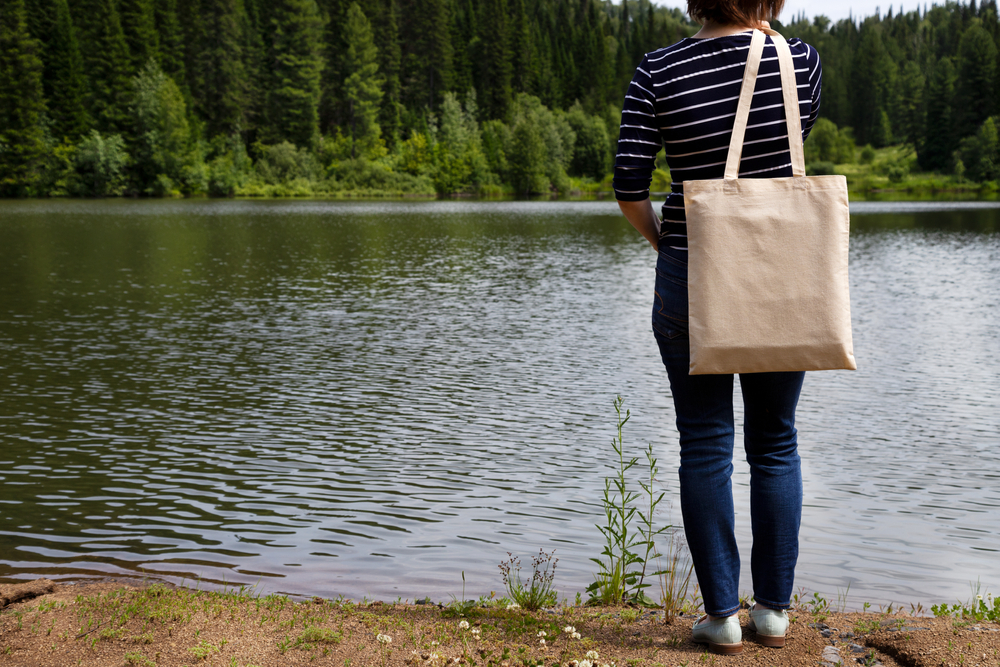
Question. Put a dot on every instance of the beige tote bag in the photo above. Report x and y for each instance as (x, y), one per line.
(767, 257)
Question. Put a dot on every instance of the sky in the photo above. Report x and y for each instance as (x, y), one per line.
(834, 9)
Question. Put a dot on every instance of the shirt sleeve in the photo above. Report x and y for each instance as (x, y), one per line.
(815, 87)
(638, 139)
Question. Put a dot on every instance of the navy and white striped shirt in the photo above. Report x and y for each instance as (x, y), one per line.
(683, 98)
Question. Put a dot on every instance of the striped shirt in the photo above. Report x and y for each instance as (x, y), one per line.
(683, 98)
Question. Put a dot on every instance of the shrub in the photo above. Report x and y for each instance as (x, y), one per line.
(826, 143)
(867, 154)
(99, 166)
(230, 168)
(590, 151)
(284, 162)
(163, 152)
(820, 168)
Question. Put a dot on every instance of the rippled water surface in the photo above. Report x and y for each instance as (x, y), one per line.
(370, 398)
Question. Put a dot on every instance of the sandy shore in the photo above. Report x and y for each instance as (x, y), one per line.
(119, 623)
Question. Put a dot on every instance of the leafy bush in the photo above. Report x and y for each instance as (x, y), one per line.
(376, 177)
(980, 153)
(99, 166)
(820, 168)
(284, 162)
(540, 148)
(590, 150)
(164, 156)
(827, 143)
(459, 163)
(867, 154)
(230, 168)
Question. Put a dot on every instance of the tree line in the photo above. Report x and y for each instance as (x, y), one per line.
(928, 78)
(158, 97)
(223, 96)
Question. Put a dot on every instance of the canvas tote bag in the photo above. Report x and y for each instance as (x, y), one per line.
(767, 257)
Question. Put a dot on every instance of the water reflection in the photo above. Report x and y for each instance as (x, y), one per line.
(369, 398)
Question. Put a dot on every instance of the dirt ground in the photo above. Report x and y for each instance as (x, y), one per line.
(121, 624)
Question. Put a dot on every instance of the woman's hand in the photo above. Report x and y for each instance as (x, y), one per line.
(640, 214)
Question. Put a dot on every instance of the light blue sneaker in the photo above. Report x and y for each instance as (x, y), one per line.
(723, 635)
(770, 625)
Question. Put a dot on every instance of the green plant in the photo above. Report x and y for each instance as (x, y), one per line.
(460, 607)
(630, 615)
(869, 659)
(314, 635)
(979, 607)
(203, 650)
(817, 605)
(134, 658)
(538, 592)
(842, 599)
(676, 578)
(621, 577)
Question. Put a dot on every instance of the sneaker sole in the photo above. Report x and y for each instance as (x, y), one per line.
(726, 649)
(772, 641)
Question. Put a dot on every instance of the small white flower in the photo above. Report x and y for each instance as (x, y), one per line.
(586, 663)
(463, 625)
(569, 629)
(384, 639)
(542, 642)
(979, 597)
(575, 635)
(475, 631)
(592, 655)
(434, 658)
(542, 633)
(435, 643)
(512, 606)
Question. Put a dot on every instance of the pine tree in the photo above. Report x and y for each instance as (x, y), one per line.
(138, 21)
(62, 79)
(22, 146)
(332, 105)
(977, 67)
(390, 55)
(910, 112)
(105, 61)
(464, 19)
(294, 63)
(874, 73)
(225, 97)
(940, 140)
(362, 85)
(194, 36)
(495, 70)
(171, 41)
(427, 53)
(521, 47)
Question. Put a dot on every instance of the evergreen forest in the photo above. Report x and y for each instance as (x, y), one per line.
(391, 97)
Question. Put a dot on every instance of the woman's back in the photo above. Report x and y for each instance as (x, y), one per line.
(684, 97)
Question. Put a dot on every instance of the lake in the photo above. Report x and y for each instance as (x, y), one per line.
(371, 398)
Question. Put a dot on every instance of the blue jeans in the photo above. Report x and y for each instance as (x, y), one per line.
(704, 407)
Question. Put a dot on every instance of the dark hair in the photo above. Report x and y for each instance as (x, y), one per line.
(735, 12)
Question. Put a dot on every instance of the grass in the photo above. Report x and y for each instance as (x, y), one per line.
(979, 608)
(538, 592)
(893, 174)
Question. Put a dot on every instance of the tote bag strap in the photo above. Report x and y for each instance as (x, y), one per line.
(790, 96)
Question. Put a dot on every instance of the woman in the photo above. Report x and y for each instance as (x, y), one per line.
(683, 98)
